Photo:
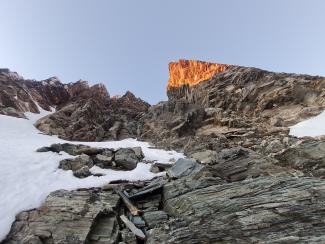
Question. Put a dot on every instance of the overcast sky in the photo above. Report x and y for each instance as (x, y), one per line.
(127, 44)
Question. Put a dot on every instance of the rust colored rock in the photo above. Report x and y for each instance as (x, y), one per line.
(191, 72)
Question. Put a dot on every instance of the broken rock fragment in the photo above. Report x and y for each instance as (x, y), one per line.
(183, 167)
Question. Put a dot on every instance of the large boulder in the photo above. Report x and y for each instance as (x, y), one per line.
(127, 158)
(104, 159)
(261, 210)
(80, 165)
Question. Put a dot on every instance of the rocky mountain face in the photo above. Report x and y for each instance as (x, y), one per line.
(83, 112)
(246, 180)
(18, 95)
(95, 119)
(234, 106)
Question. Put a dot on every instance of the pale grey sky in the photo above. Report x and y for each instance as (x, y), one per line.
(127, 44)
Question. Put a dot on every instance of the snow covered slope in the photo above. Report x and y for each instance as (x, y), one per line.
(27, 177)
(311, 127)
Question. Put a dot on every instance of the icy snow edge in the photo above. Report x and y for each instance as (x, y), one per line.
(311, 127)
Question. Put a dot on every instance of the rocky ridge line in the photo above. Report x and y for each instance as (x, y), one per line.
(18, 96)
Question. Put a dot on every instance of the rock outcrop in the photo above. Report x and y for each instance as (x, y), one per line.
(83, 112)
(18, 95)
(237, 106)
(96, 120)
(69, 217)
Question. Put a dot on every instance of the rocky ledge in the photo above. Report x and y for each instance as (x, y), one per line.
(237, 106)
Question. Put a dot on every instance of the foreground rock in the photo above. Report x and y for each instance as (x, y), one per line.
(69, 217)
(215, 106)
(261, 210)
(264, 210)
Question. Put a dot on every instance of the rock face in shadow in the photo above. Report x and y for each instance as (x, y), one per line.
(83, 112)
(18, 95)
(95, 119)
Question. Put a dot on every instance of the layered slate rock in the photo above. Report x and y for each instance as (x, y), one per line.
(307, 156)
(232, 106)
(263, 210)
(69, 217)
(246, 179)
(239, 163)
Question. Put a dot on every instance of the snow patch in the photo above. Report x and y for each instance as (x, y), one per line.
(27, 177)
(311, 127)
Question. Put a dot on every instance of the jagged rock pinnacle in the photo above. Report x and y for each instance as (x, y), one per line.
(191, 72)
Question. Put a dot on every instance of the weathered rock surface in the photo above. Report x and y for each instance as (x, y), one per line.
(79, 165)
(183, 167)
(238, 163)
(126, 158)
(263, 210)
(307, 156)
(96, 120)
(84, 113)
(69, 217)
(18, 95)
(236, 106)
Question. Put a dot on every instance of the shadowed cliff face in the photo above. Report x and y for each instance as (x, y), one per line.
(83, 112)
(191, 72)
(18, 96)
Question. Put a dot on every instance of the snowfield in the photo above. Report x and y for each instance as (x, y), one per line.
(27, 177)
(311, 127)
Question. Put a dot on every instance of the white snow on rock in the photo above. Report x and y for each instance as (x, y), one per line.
(311, 127)
(27, 177)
